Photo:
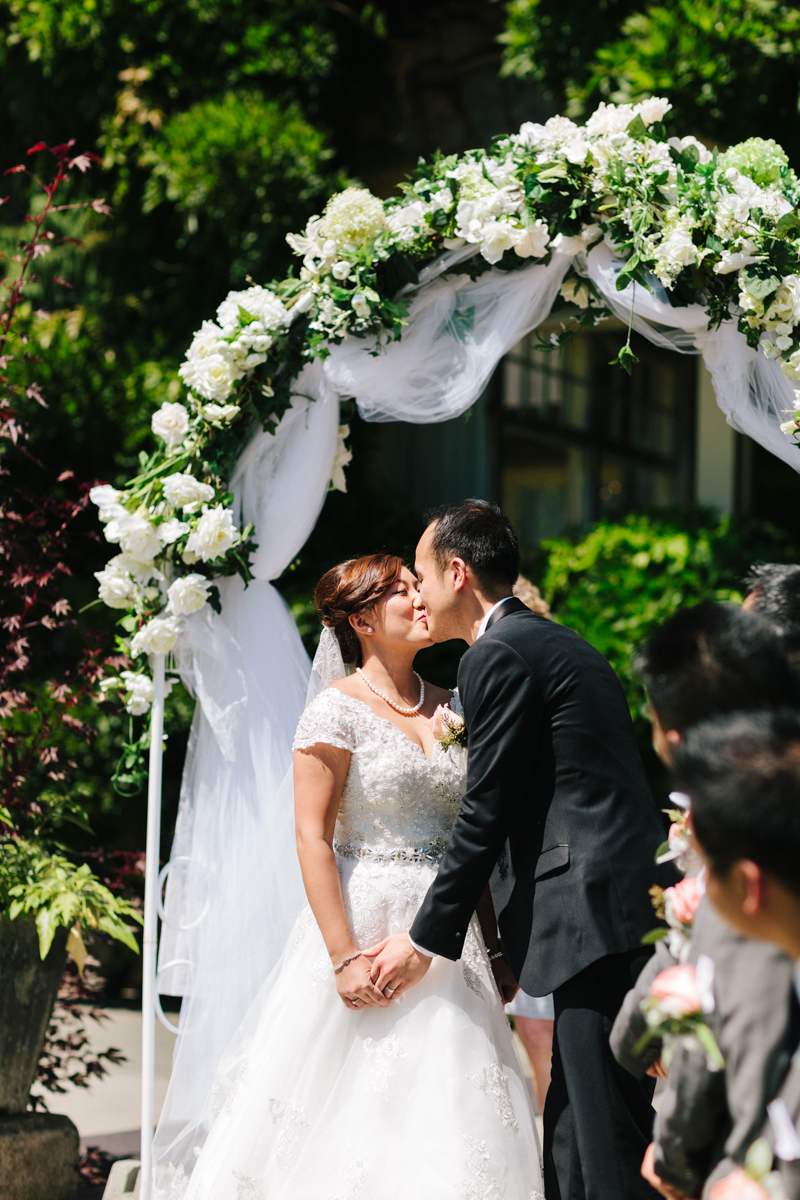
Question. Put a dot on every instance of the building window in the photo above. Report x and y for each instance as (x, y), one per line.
(580, 439)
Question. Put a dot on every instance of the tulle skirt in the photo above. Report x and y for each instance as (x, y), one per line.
(314, 1101)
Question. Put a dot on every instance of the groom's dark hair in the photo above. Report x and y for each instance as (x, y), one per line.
(713, 659)
(477, 532)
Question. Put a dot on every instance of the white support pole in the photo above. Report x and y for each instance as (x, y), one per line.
(150, 938)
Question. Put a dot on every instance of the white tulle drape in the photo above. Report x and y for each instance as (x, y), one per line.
(751, 390)
(234, 887)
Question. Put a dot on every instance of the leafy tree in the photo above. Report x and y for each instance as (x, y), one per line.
(730, 67)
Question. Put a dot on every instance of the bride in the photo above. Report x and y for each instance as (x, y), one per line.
(333, 1090)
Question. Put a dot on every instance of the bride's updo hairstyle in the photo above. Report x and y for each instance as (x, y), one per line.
(350, 588)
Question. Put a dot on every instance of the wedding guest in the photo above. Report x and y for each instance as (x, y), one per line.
(707, 660)
(534, 1015)
(743, 774)
(773, 591)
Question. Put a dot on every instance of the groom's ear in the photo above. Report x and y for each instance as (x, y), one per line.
(459, 573)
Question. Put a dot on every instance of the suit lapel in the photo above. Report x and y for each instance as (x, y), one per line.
(509, 606)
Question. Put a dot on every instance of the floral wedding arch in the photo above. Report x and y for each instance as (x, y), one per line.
(405, 305)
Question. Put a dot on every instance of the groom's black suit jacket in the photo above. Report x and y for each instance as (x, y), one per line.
(556, 800)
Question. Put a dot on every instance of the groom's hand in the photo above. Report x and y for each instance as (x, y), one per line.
(397, 966)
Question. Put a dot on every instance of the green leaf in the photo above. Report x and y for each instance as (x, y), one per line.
(637, 128)
(789, 223)
(625, 359)
(760, 280)
(654, 935)
(709, 1043)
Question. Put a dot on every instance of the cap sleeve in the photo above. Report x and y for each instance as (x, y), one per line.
(326, 719)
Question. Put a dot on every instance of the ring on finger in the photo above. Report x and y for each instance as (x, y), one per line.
(355, 1003)
(387, 991)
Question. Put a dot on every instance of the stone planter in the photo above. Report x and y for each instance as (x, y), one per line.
(28, 990)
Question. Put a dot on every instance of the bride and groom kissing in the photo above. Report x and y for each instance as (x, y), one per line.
(414, 854)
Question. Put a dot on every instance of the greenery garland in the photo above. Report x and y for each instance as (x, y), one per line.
(719, 229)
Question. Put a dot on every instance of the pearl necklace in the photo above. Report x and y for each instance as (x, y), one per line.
(405, 712)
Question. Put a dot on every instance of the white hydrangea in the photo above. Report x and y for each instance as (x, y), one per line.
(352, 217)
(188, 594)
(171, 423)
(184, 491)
(158, 636)
(212, 537)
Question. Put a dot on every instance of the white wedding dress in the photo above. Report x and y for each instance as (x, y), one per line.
(422, 1099)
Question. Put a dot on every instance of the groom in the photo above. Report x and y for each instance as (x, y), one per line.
(558, 814)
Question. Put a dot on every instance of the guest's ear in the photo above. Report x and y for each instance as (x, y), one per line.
(751, 885)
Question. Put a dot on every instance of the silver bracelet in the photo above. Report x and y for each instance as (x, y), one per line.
(497, 954)
(342, 965)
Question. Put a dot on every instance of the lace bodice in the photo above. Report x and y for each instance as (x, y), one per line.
(396, 802)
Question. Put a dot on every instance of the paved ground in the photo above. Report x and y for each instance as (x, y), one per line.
(107, 1113)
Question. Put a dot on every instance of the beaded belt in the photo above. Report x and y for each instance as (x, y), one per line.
(432, 853)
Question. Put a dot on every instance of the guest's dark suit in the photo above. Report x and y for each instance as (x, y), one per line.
(557, 799)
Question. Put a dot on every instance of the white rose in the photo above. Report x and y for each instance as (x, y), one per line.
(533, 242)
(575, 291)
(343, 457)
(218, 413)
(186, 492)
(104, 495)
(158, 636)
(135, 534)
(213, 536)
(212, 377)
(341, 269)
(653, 109)
(171, 423)
(567, 245)
(141, 570)
(117, 589)
(496, 237)
(188, 594)
(360, 306)
(789, 427)
(169, 531)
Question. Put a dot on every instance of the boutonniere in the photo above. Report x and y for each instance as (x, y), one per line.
(448, 727)
(675, 1010)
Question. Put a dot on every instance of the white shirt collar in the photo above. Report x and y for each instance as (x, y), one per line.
(485, 621)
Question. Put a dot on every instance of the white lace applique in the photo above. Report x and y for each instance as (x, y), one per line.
(226, 1087)
(494, 1084)
(383, 1053)
(353, 1181)
(292, 1118)
(305, 924)
(247, 1188)
(482, 1185)
(471, 962)
(176, 1184)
